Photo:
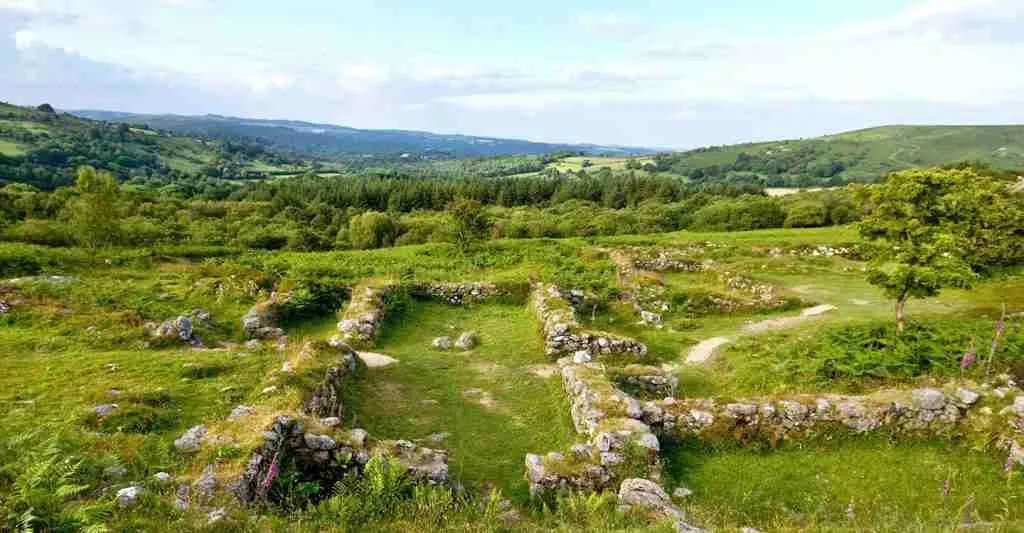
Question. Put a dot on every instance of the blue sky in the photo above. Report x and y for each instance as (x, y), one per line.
(656, 73)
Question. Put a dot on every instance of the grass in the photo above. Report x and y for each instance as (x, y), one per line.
(10, 148)
(56, 343)
(888, 487)
(494, 409)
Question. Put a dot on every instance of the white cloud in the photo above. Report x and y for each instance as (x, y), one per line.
(25, 39)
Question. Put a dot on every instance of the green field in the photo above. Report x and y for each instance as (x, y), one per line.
(490, 406)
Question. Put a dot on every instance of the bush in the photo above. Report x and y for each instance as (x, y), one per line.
(806, 214)
(37, 231)
(742, 214)
(372, 229)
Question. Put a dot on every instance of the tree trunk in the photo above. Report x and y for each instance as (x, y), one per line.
(900, 322)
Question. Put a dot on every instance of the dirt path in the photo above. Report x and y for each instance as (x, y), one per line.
(704, 351)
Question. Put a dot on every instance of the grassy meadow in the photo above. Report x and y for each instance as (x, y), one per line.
(70, 344)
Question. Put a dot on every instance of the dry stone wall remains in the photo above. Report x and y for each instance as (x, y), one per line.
(362, 319)
(563, 334)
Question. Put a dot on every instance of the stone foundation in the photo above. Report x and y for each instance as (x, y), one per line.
(261, 320)
(365, 313)
(456, 293)
(564, 335)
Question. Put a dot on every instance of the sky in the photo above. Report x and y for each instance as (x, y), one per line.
(669, 74)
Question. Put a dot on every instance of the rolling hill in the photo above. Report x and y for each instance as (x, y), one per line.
(333, 142)
(43, 148)
(862, 155)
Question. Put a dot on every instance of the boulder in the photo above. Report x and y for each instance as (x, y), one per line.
(929, 399)
(128, 496)
(191, 440)
(648, 496)
(467, 341)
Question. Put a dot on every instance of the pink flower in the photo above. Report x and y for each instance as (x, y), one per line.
(969, 358)
(271, 475)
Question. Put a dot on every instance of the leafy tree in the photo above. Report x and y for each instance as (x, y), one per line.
(930, 227)
(372, 229)
(469, 223)
(95, 213)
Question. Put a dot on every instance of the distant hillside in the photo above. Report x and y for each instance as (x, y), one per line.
(862, 155)
(332, 142)
(43, 148)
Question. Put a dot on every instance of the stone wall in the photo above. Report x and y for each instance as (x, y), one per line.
(261, 320)
(563, 333)
(458, 293)
(325, 399)
(996, 411)
(327, 455)
(361, 320)
(618, 444)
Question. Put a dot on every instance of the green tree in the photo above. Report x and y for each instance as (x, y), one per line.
(372, 229)
(95, 213)
(469, 223)
(933, 228)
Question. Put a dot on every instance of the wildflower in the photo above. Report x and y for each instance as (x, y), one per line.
(969, 357)
(271, 475)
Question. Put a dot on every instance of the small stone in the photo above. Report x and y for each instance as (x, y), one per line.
(183, 497)
(128, 496)
(115, 392)
(113, 367)
(253, 344)
(467, 341)
(106, 409)
(929, 399)
(269, 390)
(115, 472)
(240, 411)
(330, 422)
(967, 396)
(442, 343)
(207, 481)
(191, 440)
(216, 515)
(319, 442)
(1018, 405)
(437, 438)
(581, 357)
(682, 492)
(649, 441)
(162, 477)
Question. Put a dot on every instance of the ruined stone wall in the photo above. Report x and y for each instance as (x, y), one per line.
(362, 319)
(996, 411)
(458, 293)
(563, 333)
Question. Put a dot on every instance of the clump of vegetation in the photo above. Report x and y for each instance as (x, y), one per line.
(855, 356)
